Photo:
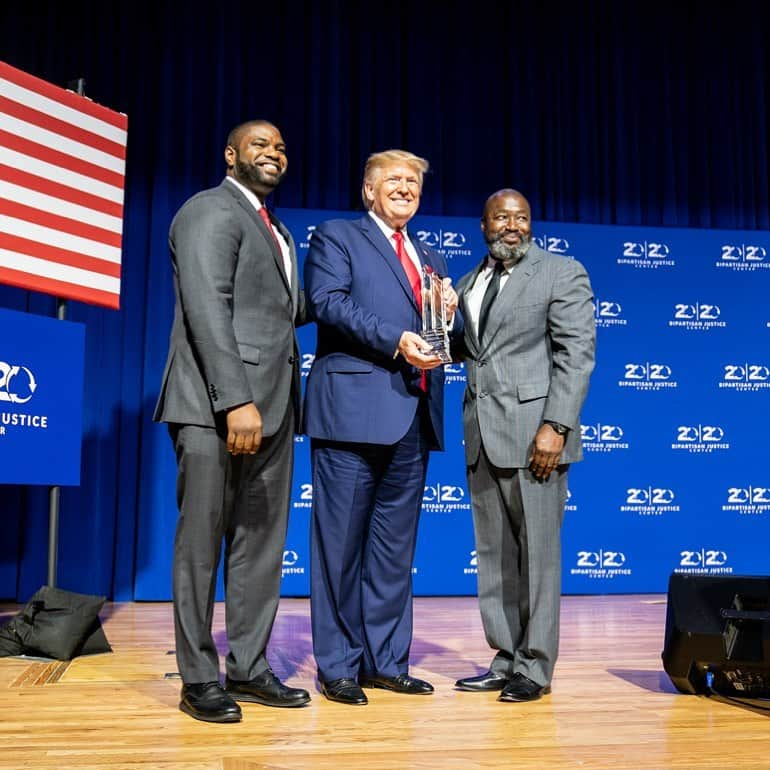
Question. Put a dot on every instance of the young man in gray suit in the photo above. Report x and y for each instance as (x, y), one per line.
(529, 352)
(230, 396)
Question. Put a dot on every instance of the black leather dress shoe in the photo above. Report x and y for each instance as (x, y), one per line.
(208, 702)
(268, 690)
(402, 683)
(520, 689)
(486, 682)
(344, 691)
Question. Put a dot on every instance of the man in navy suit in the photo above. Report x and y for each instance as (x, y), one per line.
(374, 410)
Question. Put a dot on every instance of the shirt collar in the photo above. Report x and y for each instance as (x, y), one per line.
(387, 230)
(256, 202)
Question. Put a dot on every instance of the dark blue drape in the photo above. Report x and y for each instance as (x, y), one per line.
(625, 113)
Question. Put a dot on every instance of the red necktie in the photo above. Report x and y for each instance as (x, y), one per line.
(266, 219)
(414, 281)
(411, 271)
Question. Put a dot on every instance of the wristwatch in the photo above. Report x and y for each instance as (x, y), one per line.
(562, 430)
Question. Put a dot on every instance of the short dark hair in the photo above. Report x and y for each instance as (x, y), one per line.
(234, 137)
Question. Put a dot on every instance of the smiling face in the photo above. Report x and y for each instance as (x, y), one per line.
(506, 224)
(392, 192)
(256, 157)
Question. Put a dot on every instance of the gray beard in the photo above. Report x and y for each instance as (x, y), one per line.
(500, 251)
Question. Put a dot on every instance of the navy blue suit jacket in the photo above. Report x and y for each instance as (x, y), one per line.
(357, 291)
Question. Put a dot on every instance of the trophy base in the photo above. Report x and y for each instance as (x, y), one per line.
(439, 344)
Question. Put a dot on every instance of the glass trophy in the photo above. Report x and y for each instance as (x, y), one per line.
(434, 320)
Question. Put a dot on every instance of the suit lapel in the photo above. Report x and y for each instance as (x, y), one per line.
(270, 242)
(377, 238)
(510, 293)
(463, 288)
(294, 288)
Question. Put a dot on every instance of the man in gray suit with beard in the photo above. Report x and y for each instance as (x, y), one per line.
(230, 396)
(529, 352)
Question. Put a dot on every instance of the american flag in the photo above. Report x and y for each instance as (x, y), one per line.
(62, 171)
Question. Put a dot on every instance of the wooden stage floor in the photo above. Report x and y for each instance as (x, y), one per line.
(612, 705)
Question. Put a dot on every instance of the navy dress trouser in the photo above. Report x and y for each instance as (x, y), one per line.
(366, 507)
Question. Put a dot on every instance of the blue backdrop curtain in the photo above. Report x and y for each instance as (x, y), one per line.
(614, 113)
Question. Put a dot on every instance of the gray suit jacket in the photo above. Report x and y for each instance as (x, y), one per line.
(233, 337)
(536, 360)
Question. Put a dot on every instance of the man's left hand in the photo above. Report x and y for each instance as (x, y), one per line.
(547, 447)
(413, 348)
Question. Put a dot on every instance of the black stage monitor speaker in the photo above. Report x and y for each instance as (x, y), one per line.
(718, 635)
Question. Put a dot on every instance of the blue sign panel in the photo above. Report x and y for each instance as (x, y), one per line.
(41, 399)
(675, 476)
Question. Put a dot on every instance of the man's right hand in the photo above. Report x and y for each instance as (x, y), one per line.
(244, 430)
(412, 347)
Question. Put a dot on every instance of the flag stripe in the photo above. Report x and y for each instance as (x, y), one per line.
(62, 182)
(86, 184)
(58, 272)
(47, 139)
(73, 100)
(60, 288)
(27, 147)
(58, 239)
(60, 111)
(29, 115)
(49, 187)
(54, 206)
(31, 248)
(71, 226)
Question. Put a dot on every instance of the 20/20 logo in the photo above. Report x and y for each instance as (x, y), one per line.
(17, 383)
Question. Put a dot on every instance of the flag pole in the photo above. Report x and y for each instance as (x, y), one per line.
(54, 493)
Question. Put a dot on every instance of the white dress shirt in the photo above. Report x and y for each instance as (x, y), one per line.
(475, 296)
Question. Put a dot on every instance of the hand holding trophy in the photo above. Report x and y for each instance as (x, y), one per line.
(434, 314)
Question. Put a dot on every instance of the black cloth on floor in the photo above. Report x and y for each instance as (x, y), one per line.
(56, 624)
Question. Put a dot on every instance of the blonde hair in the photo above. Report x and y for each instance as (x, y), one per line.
(378, 161)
